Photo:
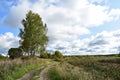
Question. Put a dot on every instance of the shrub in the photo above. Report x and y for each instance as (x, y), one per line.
(44, 55)
(58, 54)
(15, 53)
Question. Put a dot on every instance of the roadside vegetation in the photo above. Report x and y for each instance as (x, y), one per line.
(67, 68)
(14, 69)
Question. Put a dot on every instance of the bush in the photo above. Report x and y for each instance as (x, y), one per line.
(44, 55)
(15, 53)
(58, 54)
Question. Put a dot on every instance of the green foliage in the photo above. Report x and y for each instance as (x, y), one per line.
(44, 55)
(15, 53)
(58, 54)
(33, 36)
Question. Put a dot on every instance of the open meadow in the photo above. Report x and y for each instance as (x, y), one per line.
(67, 68)
(87, 68)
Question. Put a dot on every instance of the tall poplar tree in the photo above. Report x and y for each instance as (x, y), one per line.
(33, 35)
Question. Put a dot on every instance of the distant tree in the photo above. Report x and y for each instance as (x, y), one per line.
(15, 53)
(58, 54)
(33, 35)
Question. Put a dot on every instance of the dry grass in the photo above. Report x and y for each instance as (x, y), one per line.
(86, 68)
(13, 69)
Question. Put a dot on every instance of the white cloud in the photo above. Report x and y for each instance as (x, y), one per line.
(102, 43)
(8, 40)
(67, 20)
(98, 1)
(81, 12)
(114, 14)
(16, 14)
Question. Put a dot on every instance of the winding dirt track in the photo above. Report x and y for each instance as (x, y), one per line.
(43, 74)
(28, 76)
(31, 74)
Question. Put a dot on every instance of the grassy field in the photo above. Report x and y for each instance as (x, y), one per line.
(68, 68)
(87, 68)
(14, 69)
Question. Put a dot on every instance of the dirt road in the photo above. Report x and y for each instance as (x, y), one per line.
(28, 76)
(31, 74)
(43, 74)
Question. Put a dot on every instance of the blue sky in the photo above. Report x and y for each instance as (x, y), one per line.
(80, 27)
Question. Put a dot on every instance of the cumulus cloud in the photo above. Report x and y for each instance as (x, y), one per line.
(67, 20)
(16, 14)
(7, 41)
(102, 43)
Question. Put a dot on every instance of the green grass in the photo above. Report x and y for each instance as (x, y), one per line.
(14, 69)
(65, 71)
(68, 68)
(87, 68)
(19, 72)
(95, 67)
